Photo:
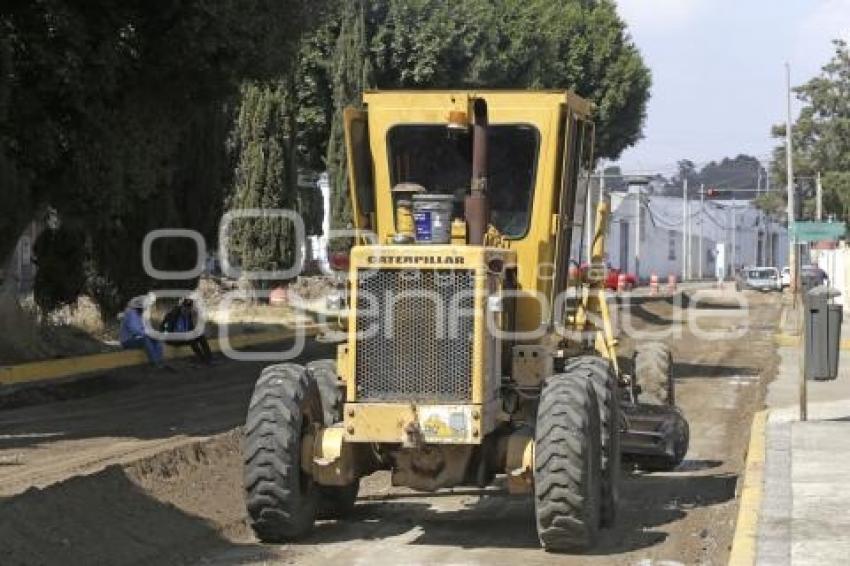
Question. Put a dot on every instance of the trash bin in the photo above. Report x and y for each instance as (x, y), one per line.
(822, 334)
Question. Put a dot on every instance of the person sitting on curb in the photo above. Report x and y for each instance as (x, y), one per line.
(132, 333)
(182, 319)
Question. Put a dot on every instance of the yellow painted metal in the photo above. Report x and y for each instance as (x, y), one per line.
(541, 109)
(343, 369)
(404, 423)
(377, 422)
(603, 211)
(331, 461)
(476, 258)
(519, 462)
(350, 116)
(546, 112)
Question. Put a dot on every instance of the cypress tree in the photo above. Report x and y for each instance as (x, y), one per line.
(351, 75)
(264, 178)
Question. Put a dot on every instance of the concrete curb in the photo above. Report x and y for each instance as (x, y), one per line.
(782, 339)
(746, 529)
(66, 367)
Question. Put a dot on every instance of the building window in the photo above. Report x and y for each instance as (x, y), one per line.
(671, 249)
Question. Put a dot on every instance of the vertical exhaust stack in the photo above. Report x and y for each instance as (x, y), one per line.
(476, 207)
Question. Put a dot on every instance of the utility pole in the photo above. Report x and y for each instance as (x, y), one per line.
(701, 212)
(685, 228)
(637, 232)
(789, 153)
(819, 205)
(733, 255)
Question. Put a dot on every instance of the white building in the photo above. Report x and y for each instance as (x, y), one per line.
(723, 234)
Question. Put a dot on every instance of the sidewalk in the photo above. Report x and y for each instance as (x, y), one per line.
(804, 512)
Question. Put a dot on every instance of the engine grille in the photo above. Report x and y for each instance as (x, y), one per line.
(414, 346)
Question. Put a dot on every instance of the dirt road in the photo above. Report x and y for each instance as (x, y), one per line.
(149, 471)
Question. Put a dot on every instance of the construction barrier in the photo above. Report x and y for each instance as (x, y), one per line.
(671, 283)
(653, 284)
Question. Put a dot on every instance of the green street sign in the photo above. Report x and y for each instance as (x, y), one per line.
(817, 231)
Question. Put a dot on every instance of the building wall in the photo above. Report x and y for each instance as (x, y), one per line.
(661, 242)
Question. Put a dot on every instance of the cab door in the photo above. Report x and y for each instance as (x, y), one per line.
(360, 168)
(576, 165)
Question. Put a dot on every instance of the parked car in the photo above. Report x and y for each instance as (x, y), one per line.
(785, 277)
(613, 275)
(759, 279)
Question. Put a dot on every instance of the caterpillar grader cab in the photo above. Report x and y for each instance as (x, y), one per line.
(474, 352)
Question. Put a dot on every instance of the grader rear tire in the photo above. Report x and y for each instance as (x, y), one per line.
(281, 499)
(654, 373)
(566, 463)
(597, 370)
(335, 502)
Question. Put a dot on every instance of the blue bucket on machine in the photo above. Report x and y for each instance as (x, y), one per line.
(432, 218)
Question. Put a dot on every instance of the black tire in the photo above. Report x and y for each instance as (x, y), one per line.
(327, 380)
(654, 373)
(335, 502)
(281, 500)
(597, 370)
(566, 463)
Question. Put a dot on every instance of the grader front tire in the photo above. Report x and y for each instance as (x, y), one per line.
(567, 464)
(281, 499)
(598, 372)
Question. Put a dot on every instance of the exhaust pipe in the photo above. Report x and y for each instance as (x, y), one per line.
(476, 208)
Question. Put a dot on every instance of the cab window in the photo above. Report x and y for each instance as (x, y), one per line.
(440, 160)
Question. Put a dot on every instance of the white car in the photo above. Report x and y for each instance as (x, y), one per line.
(786, 277)
(758, 279)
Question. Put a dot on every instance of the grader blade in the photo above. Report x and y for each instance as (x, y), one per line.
(655, 436)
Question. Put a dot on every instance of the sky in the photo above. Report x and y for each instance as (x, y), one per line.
(718, 70)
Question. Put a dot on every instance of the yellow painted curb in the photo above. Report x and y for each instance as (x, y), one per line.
(782, 339)
(746, 529)
(66, 367)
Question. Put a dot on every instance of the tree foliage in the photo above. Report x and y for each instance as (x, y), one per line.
(821, 136)
(116, 113)
(581, 45)
(739, 177)
(265, 175)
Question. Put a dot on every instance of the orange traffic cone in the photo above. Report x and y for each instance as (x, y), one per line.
(671, 283)
(653, 284)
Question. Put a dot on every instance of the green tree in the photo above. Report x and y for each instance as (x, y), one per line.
(580, 45)
(265, 178)
(350, 70)
(115, 113)
(821, 135)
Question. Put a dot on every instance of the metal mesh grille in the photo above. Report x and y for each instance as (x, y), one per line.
(415, 332)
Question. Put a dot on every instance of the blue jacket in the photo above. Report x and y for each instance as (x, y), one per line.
(132, 326)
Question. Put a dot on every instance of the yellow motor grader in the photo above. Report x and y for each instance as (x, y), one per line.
(476, 346)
